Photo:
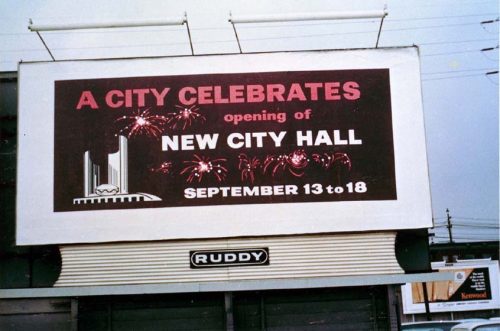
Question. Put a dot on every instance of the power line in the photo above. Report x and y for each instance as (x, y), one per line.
(216, 41)
(176, 30)
(452, 77)
(455, 71)
(117, 30)
(439, 5)
(438, 17)
(455, 236)
(287, 25)
(450, 53)
(99, 47)
(349, 33)
(476, 218)
(357, 22)
(469, 226)
(457, 41)
(489, 21)
(468, 237)
(472, 227)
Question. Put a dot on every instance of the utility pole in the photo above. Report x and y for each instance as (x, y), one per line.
(449, 226)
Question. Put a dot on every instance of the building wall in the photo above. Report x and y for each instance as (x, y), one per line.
(348, 308)
(342, 309)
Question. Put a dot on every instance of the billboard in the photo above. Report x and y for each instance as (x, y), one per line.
(221, 146)
(474, 287)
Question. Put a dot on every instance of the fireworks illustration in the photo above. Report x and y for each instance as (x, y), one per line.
(295, 163)
(203, 166)
(248, 166)
(327, 160)
(143, 123)
(184, 117)
(164, 168)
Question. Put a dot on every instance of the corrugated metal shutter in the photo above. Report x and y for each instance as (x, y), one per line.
(178, 312)
(290, 257)
(341, 309)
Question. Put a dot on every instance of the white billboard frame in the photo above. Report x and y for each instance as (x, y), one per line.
(38, 224)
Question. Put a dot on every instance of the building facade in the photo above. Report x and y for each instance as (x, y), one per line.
(69, 263)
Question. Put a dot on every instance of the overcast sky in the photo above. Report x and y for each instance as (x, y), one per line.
(460, 98)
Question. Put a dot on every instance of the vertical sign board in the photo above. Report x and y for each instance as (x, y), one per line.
(220, 146)
(474, 287)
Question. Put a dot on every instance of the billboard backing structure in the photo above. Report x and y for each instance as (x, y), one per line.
(221, 146)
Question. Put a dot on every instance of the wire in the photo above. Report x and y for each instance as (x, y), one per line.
(455, 71)
(437, 17)
(475, 218)
(489, 49)
(489, 21)
(220, 41)
(116, 30)
(355, 22)
(494, 82)
(468, 225)
(177, 29)
(349, 33)
(438, 5)
(447, 239)
(450, 53)
(468, 235)
(98, 47)
(457, 41)
(452, 77)
(464, 236)
(288, 25)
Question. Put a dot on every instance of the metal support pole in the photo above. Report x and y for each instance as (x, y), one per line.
(393, 308)
(74, 314)
(449, 226)
(235, 32)
(44, 44)
(189, 33)
(318, 16)
(426, 302)
(110, 316)
(380, 29)
(263, 326)
(228, 304)
(309, 17)
(106, 25)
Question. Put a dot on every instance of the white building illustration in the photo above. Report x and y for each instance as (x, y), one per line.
(116, 189)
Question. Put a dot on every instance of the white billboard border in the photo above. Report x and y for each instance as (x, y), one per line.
(38, 224)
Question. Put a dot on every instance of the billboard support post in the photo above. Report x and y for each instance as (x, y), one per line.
(107, 25)
(426, 302)
(189, 33)
(43, 42)
(235, 32)
(309, 17)
(380, 27)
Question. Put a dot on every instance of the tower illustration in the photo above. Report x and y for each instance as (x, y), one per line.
(118, 167)
(116, 189)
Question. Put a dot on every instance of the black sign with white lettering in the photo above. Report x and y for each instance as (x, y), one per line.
(229, 258)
